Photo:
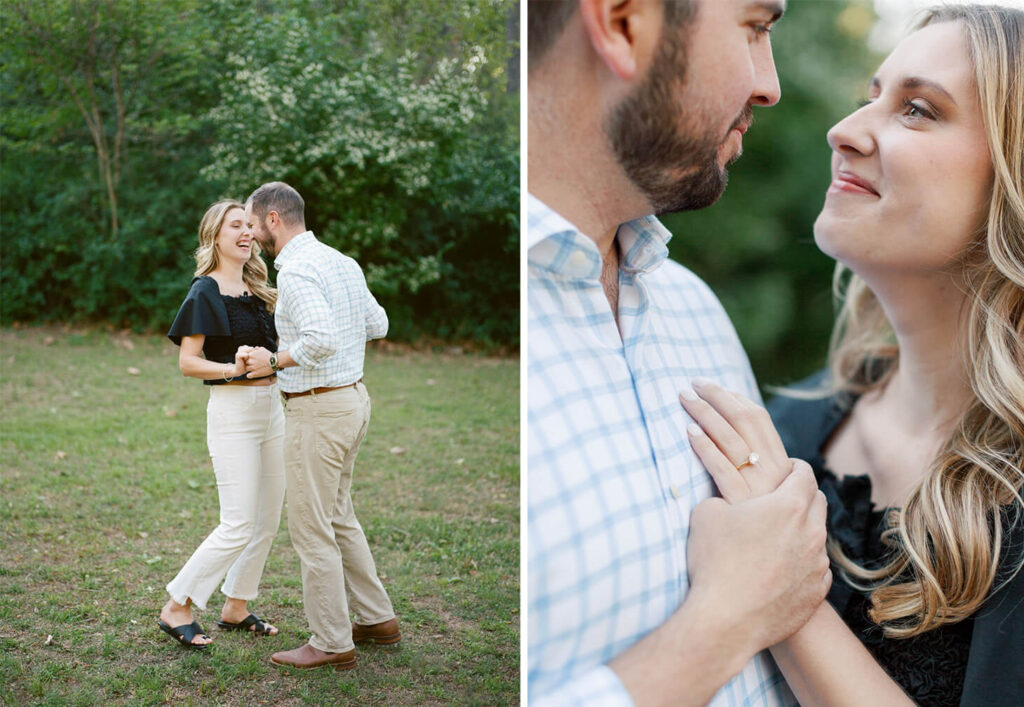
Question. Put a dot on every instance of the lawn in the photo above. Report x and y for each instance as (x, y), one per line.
(106, 488)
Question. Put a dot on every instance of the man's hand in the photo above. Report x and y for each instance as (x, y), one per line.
(258, 363)
(760, 566)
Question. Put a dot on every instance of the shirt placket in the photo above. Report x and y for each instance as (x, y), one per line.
(641, 357)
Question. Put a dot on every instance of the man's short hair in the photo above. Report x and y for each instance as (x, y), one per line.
(546, 19)
(279, 197)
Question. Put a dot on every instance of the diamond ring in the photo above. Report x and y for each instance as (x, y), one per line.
(751, 460)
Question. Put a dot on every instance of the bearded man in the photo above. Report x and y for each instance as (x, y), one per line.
(637, 107)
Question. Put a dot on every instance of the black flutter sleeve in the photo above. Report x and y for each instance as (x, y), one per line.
(202, 312)
(995, 669)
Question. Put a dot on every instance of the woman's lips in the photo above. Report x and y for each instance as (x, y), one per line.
(852, 183)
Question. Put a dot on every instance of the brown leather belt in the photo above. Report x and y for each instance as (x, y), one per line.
(318, 391)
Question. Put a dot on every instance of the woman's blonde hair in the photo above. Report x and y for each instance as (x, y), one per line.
(947, 541)
(254, 272)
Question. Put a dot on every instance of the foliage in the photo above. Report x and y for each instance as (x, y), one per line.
(755, 247)
(405, 149)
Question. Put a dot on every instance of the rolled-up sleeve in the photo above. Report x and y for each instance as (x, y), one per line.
(311, 313)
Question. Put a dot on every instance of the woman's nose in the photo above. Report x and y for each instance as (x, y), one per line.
(853, 133)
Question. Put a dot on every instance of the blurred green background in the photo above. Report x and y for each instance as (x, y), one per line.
(122, 120)
(755, 246)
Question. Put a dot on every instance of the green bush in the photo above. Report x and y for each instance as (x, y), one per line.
(405, 149)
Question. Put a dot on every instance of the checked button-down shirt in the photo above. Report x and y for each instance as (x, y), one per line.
(325, 315)
(611, 477)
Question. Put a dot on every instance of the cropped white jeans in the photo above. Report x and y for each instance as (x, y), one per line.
(245, 436)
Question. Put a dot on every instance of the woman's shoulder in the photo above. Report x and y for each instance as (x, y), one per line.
(203, 286)
(202, 312)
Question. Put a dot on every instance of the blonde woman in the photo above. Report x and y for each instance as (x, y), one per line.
(916, 434)
(228, 311)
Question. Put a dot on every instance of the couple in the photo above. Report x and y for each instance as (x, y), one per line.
(228, 329)
(643, 587)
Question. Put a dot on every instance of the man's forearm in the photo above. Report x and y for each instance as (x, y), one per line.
(688, 658)
(285, 360)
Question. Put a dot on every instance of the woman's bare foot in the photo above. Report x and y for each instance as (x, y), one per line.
(235, 611)
(174, 614)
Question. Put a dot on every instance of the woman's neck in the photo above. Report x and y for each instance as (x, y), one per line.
(229, 276)
(929, 390)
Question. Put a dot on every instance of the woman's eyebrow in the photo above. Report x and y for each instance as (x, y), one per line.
(914, 82)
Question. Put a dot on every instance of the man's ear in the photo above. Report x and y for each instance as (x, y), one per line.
(272, 218)
(621, 30)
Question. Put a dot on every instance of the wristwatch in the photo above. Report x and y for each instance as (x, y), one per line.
(273, 363)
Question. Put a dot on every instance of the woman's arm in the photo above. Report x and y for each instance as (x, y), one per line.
(192, 364)
(824, 663)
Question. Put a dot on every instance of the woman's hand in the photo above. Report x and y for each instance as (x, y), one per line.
(736, 440)
(241, 359)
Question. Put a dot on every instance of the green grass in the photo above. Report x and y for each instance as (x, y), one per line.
(106, 488)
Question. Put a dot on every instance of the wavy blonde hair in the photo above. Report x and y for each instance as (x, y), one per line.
(947, 541)
(254, 272)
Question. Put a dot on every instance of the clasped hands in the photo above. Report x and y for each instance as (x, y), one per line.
(757, 554)
(253, 361)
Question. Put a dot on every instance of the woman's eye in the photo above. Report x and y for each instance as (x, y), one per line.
(916, 110)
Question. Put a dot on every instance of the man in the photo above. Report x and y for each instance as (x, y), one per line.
(324, 317)
(637, 107)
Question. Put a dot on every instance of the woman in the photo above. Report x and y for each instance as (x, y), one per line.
(228, 311)
(922, 414)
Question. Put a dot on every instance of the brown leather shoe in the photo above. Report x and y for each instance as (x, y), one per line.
(307, 656)
(383, 633)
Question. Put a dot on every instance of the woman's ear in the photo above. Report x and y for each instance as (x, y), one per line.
(621, 30)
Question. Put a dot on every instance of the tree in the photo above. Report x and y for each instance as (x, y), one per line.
(101, 55)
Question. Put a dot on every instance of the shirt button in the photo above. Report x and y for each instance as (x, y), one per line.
(674, 491)
(579, 258)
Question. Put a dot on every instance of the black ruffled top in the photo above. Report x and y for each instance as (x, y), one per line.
(979, 661)
(226, 322)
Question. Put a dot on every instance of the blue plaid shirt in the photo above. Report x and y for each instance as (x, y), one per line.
(324, 315)
(611, 476)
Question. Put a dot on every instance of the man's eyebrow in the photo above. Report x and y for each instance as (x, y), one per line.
(776, 7)
(910, 83)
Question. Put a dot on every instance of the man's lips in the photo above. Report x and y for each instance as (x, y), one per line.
(850, 182)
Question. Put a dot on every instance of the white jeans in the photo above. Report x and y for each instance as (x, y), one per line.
(245, 434)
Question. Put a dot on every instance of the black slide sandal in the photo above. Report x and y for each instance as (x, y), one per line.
(185, 633)
(258, 624)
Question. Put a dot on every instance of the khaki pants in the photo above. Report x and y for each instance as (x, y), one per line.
(322, 438)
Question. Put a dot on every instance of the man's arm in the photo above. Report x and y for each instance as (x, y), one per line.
(311, 313)
(758, 571)
(376, 318)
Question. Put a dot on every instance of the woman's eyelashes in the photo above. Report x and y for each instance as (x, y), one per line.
(917, 110)
(914, 109)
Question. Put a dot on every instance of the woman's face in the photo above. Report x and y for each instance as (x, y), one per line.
(235, 238)
(911, 173)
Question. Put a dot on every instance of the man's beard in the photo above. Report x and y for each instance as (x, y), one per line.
(268, 246)
(676, 168)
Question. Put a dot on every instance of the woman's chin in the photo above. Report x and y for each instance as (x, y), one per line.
(824, 239)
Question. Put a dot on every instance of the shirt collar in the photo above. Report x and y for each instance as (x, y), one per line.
(292, 248)
(556, 245)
